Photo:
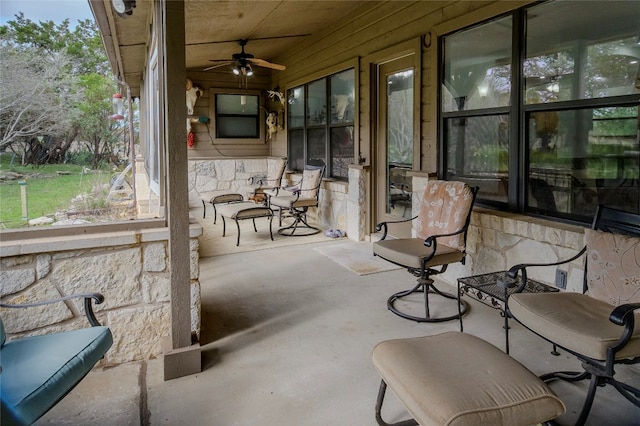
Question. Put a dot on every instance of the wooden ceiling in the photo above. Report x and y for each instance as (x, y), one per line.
(214, 28)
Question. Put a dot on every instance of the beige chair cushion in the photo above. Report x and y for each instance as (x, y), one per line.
(613, 267)
(458, 379)
(275, 169)
(288, 201)
(220, 196)
(575, 321)
(443, 210)
(243, 210)
(310, 183)
(411, 251)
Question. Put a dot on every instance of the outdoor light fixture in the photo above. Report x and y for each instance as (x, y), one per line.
(123, 8)
(118, 107)
(243, 69)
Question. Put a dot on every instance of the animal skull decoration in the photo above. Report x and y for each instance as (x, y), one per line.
(272, 122)
(193, 93)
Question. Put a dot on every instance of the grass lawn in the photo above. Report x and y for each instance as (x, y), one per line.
(47, 191)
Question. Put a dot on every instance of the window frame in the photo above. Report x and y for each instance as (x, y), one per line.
(240, 140)
(518, 111)
(328, 126)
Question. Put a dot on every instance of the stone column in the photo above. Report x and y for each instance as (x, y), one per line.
(357, 203)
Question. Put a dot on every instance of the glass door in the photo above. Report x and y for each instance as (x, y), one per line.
(395, 143)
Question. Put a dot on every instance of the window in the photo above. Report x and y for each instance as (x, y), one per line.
(540, 109)
(321, 124)
(237, 116)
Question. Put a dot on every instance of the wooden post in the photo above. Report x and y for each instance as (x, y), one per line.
(23, 198)
(181, 356)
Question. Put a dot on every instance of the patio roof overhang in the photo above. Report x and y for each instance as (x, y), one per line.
(213, 29)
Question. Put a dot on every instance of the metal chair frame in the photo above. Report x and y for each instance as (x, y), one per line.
(599, 372)
(425, 283)
(299, 214)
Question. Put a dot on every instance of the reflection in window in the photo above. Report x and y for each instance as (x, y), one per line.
(589, 157)
(317, 103)
(571, 143)
(321, 130)
(478, 152)
(597, 56)
(237, 116)
(477, 67)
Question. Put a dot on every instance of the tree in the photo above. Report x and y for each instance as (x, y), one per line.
(30, 100)
(57, 85)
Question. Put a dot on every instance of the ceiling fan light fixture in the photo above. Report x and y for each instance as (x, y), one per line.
(249, 70)
(236, 70)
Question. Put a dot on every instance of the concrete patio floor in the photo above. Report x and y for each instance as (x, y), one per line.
(286, 339)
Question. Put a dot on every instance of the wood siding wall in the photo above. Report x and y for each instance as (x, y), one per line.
(365, 37)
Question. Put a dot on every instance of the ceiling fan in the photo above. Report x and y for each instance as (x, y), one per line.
(243, 62)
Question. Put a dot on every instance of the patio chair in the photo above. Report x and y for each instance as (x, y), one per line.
(273, 179)
(297, 200)
(442, 225)
(596, 326)
(38, 371)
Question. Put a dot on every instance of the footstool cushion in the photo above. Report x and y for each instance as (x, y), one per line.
(459, 379)
(244, 210)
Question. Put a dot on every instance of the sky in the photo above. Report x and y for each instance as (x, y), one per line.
(46, 10)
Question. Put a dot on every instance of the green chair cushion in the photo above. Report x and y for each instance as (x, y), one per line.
(38, 371)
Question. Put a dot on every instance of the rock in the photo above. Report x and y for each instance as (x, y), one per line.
(44, 220)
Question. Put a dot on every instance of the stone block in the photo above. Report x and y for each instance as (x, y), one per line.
(553, 236)
(154, 257)
(138, 332)
(15, 280)
(509, 226)
(194, 259)
(156, 288)
(574, 240)
(114, 273)
(9, 262)
(488, 260)
(506, 241)
(196, 307)
(523, 229)
(537, 232)
(489, 237)
(18, 320)
(225, 170)
(43, 265)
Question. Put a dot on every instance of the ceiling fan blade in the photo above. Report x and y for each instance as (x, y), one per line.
(266, 64)
(218, 65)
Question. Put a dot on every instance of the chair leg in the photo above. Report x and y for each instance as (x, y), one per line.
(381, 422)
(299, 223)
(238, 226)
(425, 285)
(595, 380)
(204, 209)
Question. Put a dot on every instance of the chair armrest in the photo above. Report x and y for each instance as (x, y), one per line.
(382, 225)
(623, 315)
(88, 307)
(513, 271)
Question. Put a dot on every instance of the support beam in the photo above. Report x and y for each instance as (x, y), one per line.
(181, 357)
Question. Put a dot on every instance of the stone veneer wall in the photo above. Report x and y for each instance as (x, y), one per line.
(131, 270)
(497, 241)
